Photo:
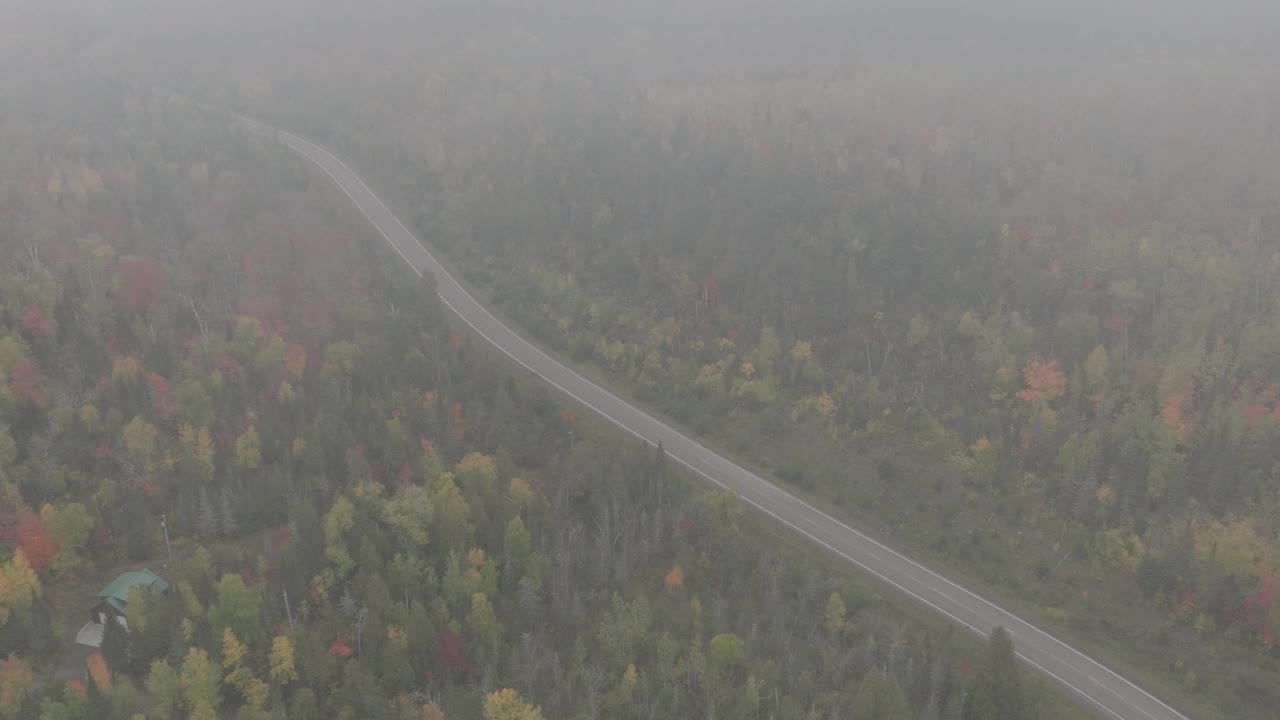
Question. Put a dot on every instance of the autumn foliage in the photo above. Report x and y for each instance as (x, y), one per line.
(1259, 605)
(460, 424)
(34, 322)
(16, 680)
(451, 654)
(892, 283)
(34, 540)
(430, 711)
(99, 671)
(1044, 381)
(144, 280)
(1178, 389)
(158, 389)
(19, 585)
(25, 380)
(505, 704)
(674, 580)
(295, 361)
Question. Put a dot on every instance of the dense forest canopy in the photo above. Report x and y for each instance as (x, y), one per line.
(364, 516)
(998, 279)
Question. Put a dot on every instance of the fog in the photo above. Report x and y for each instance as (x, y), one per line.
(993, 283)
(684, 36)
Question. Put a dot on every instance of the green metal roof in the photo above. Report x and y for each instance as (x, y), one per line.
(117, 593)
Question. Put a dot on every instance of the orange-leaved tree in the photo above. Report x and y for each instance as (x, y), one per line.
(100, 673)
(674, 580)
(35, 541)
(1044, 380)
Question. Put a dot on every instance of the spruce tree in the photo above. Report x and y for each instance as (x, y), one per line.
(115, 645)
(880, 697)
(206, 517)
(997, 689)
(230, 526)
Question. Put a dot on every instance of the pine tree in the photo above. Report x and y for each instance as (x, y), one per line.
(880, 697)
(304, 705)
(658, 475)
(230, 527)
(503, 428)
(115, 646)
(206, 518)
(997, 689)
(97, 706)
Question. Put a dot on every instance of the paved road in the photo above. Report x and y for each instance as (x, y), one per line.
(1105, 692)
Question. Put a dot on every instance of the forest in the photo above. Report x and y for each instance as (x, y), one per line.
(365, 514)
(1005, 292)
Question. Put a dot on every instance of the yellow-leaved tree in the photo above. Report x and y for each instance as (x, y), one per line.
(19, 585)
(833, 615)
(200, 685)
(248, 449)
(282, 662)
(140, 441)
(505, 704)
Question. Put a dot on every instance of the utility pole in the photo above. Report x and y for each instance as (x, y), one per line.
(164, 525)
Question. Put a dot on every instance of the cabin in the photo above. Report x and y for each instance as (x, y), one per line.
(113, 600)
(113, 604)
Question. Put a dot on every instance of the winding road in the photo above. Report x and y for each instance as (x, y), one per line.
(1103, 691)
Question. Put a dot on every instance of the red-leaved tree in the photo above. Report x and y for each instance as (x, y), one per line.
(34, 321)
(451, 654)
(34, 540)
(144, 281)
(158, 390)
(1257, 606)
(459, 422)
(25, 379)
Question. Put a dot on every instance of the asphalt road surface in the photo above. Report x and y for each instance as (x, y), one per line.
(1105, 692)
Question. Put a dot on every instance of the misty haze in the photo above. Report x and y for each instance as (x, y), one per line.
(620, 360)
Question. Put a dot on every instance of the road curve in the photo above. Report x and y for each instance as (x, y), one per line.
(1105, 692)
